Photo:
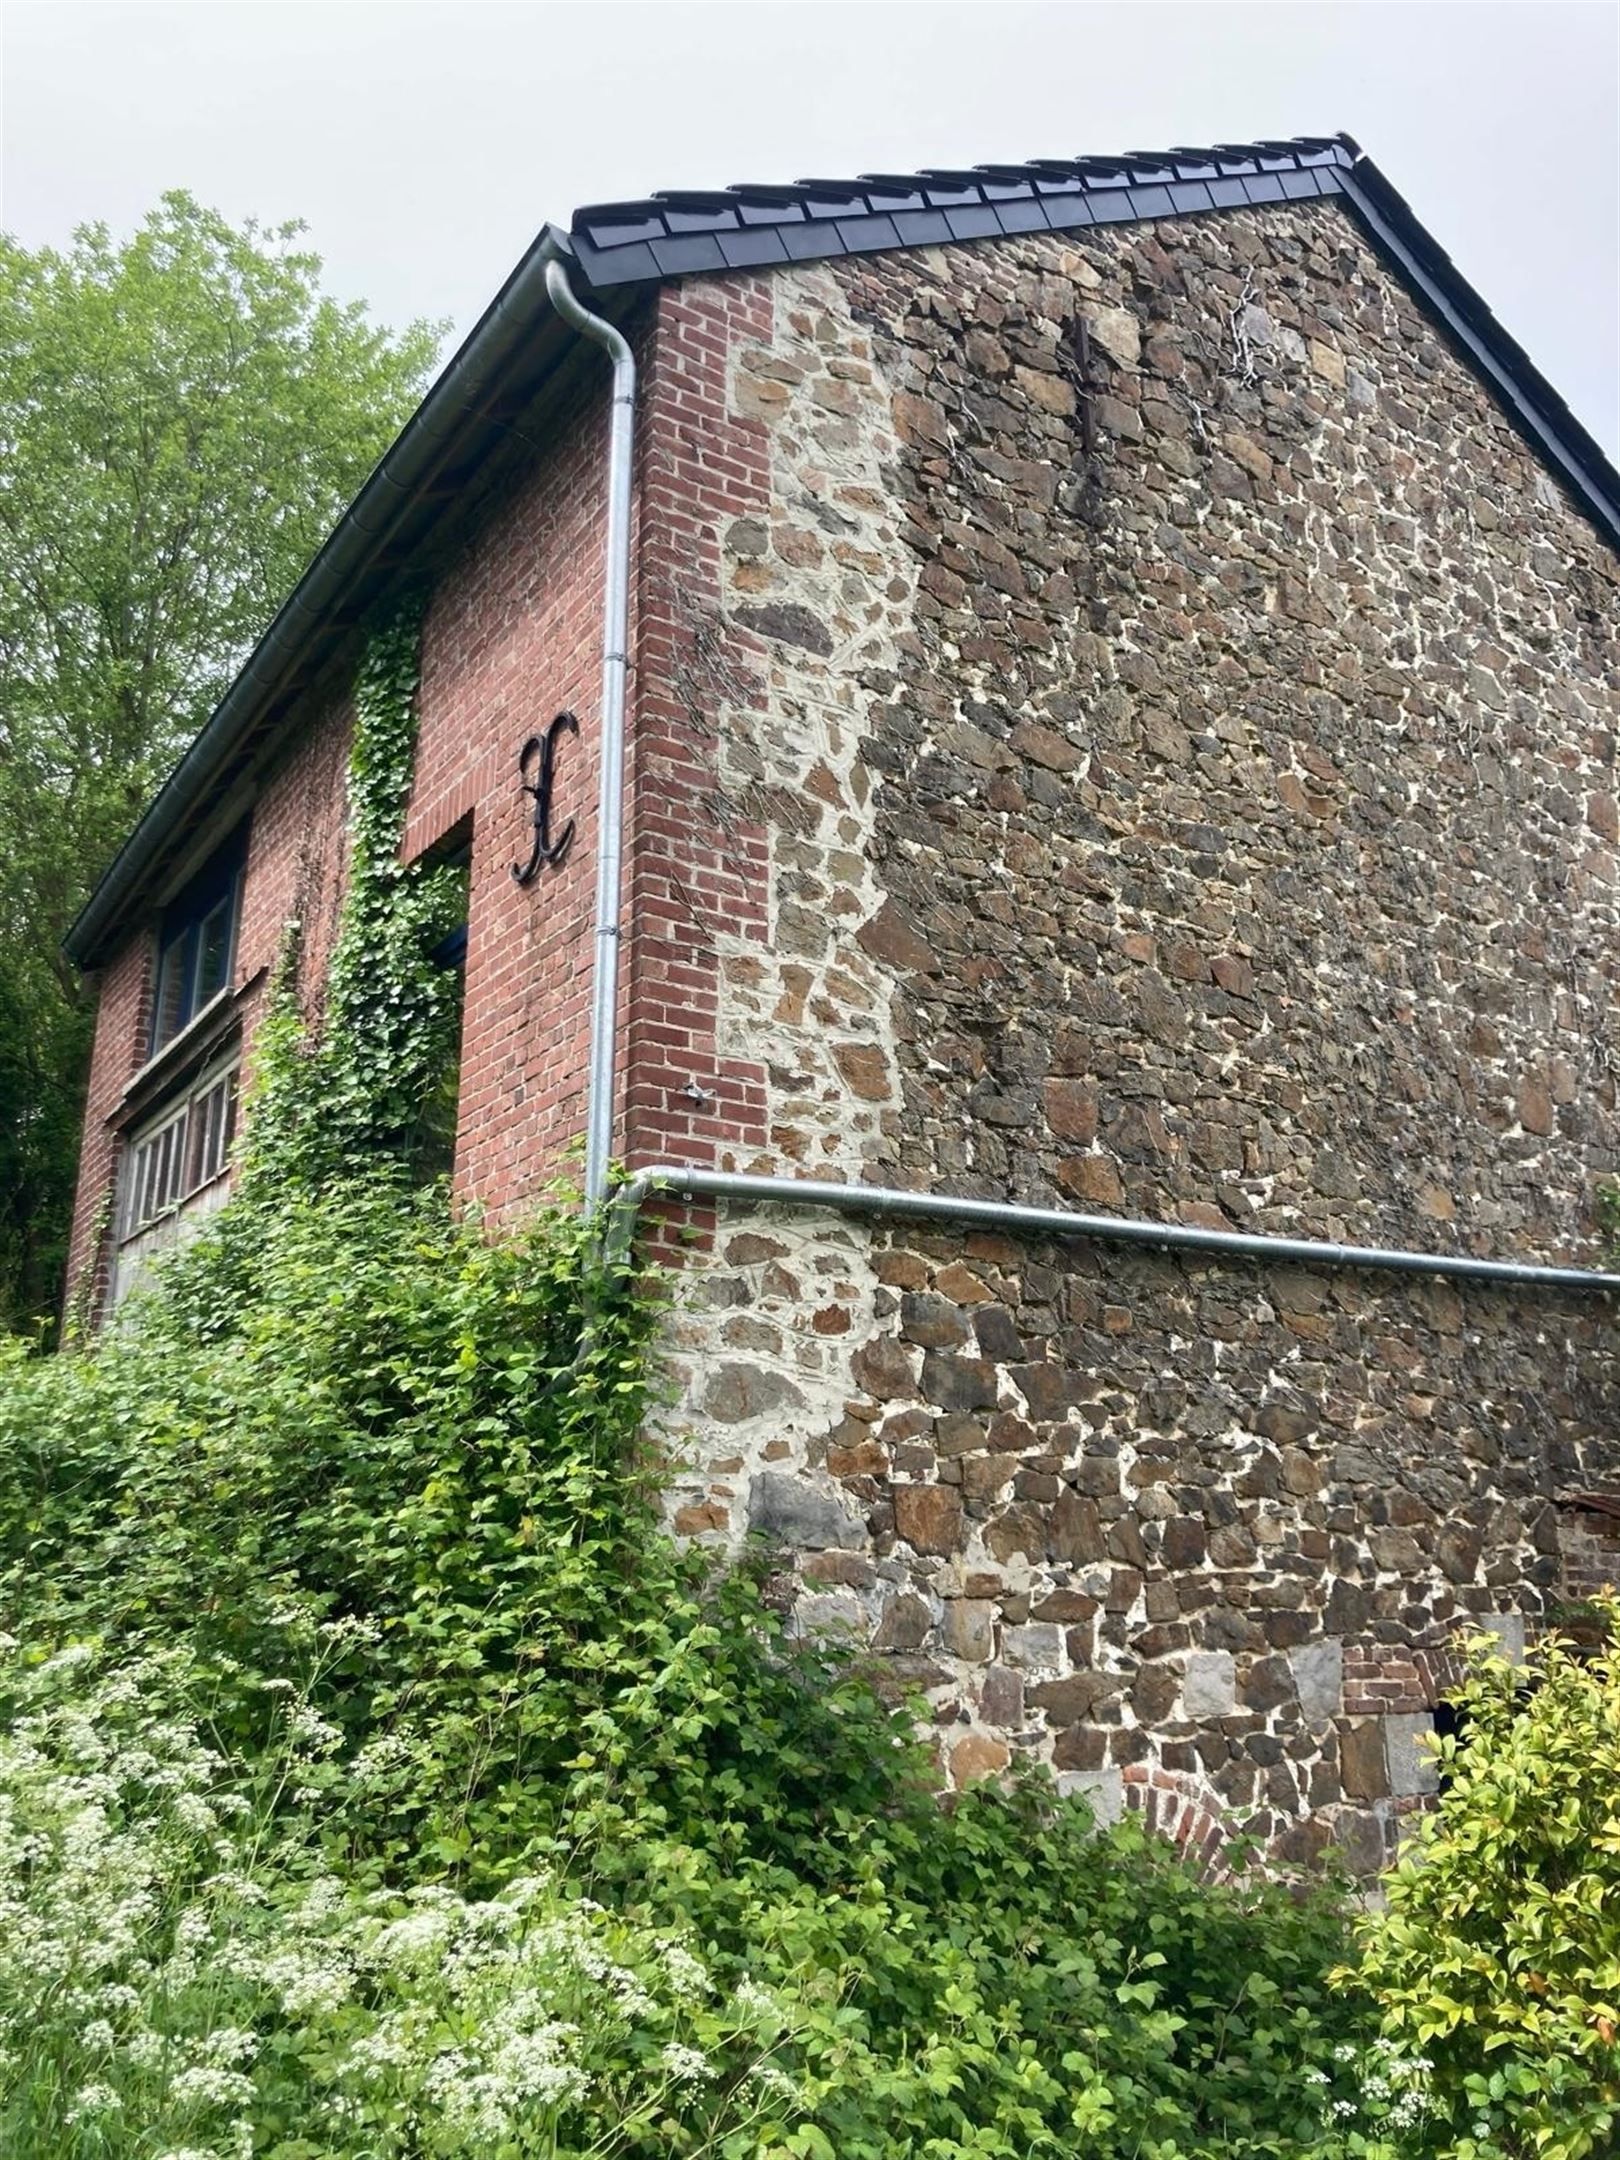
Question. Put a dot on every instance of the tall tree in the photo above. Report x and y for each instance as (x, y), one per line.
(182, 418)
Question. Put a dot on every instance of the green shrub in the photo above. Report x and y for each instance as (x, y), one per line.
(379, 1660)
(352, 1454)
(173, 1977)
(1498, 1957)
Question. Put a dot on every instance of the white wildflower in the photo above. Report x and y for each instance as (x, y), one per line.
(687, 1978)
(309, 1729)
(304, 1981)
(93, 2100)
(229, 2044)
(210, 2085)
(377, 1756)
(195, 1813)
(754, 2005)
(776, 2080)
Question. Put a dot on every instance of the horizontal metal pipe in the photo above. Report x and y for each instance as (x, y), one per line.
(689, 1182)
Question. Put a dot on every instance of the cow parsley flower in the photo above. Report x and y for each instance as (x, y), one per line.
(93, 2100)
(686, 2065)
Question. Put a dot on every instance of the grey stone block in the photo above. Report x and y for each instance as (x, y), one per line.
(1360, 1839)
(1102, 1790)
(1411, 1760)
(734, 1393)
(789, 1508)
(1039, 1644)
(1209, 1688)
(1319, 1679)
(829, 1612)
(1508, 1628)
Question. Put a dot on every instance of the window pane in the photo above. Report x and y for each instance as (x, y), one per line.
(149, 1172)
(214, 955)
(212, 1119)
(195, 941)
(140, 1177)
(170, 1163)
(168, 1172)
(171, 1013)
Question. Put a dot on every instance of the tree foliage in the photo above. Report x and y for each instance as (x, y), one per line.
(183, 415)
(1498, 1956)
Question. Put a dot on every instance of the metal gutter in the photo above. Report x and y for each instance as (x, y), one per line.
(687, 1182)
(599, 1086)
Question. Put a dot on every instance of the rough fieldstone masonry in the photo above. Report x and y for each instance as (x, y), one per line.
(1120, 720)
(1192, 750)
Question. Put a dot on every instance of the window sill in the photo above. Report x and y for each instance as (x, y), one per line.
(201, 1033)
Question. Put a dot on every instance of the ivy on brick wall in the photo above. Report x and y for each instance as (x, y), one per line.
(349, 1099)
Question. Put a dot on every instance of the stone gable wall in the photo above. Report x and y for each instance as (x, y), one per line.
(1189, 751)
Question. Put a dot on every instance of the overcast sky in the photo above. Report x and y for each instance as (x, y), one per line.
(424, 144)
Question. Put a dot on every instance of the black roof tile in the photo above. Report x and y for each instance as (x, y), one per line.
(689, 230)
(974, 221)
(750, 250)
(683, 253)
(858, 215)
(923, 228)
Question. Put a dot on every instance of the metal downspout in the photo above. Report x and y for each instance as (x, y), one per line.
(691, 1183)
(601, 1076)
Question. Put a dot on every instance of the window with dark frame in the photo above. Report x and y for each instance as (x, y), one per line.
(196, 943)
(433, 1146)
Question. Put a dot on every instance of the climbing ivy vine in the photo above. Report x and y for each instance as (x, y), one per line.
(349, 1099)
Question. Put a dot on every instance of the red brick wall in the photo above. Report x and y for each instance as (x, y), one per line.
(293, 873)
(1589, 1547)
(512, 636)
(122, 1020)
(697, 862)
(297, 854)
(1385, 1679)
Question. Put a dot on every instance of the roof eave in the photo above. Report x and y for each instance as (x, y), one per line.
(334, 590)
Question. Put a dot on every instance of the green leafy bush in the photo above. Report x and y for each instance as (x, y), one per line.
(353, 1455)
(171, 1976)
(1498, 1957)
(384, 1784)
